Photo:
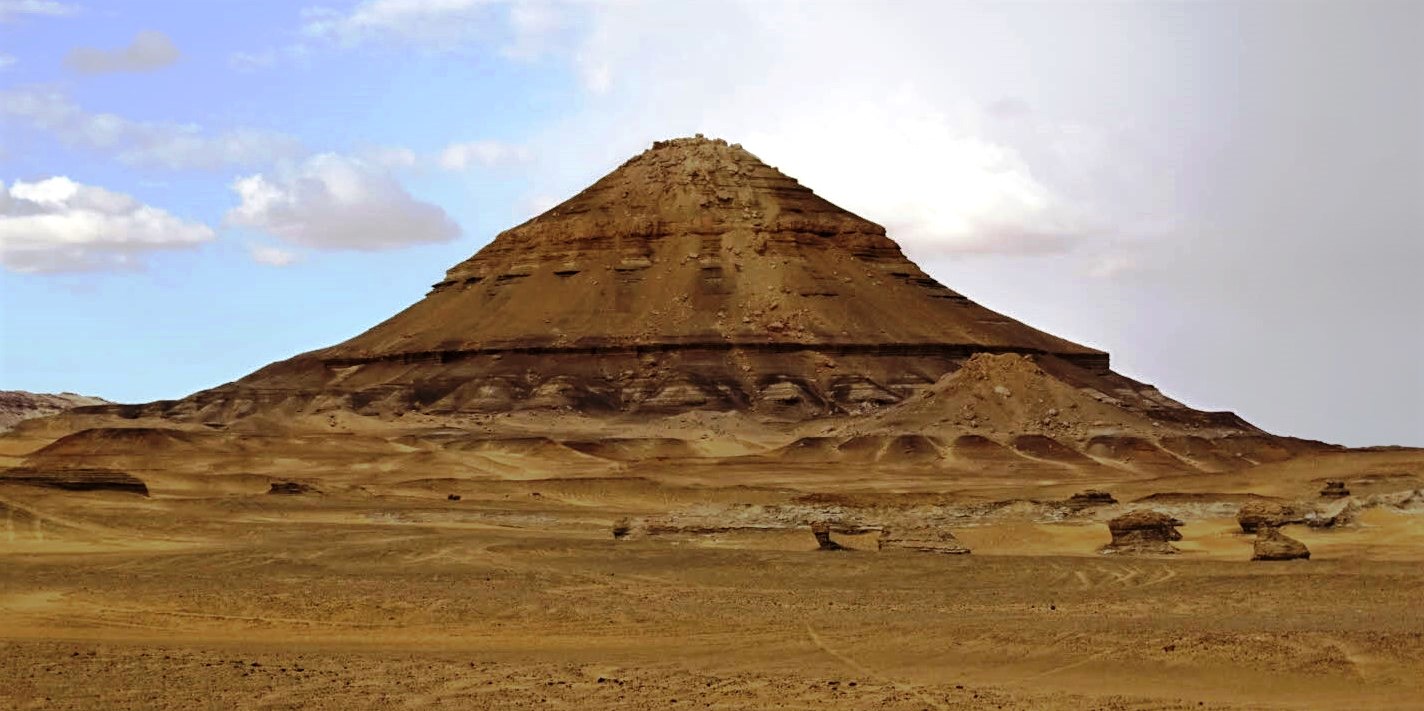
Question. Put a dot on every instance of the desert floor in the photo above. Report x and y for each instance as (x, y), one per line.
(512, 600)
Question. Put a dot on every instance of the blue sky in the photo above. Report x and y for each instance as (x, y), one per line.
(1225, 196)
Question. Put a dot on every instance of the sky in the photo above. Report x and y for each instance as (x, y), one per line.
(1228, 197)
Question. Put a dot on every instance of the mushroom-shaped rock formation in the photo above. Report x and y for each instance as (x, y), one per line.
(1271, 544)
(1089, 499)
(1256, 514)
(1334, 489)
(1143, 532)
(925, 540)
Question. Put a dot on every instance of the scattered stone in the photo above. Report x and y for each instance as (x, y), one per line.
(1334, 490)
(622, 527)
(1271, 544)
(822, 531)
(925, 540)
(452, 497)
(1143, 532)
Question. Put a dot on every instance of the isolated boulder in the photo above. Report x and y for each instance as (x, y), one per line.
(1143, 532)
(822, 531)
(1256, 514)
(1334, 489)
(925, 540)
(1271, 544)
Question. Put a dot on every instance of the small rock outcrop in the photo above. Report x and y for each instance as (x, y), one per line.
(1258, 514)
(291, 488)
(822, 532)
(1143, 532)
(1271, 544)
(925, 540)
(1089, 499)
(1334, 489)
(80, 479)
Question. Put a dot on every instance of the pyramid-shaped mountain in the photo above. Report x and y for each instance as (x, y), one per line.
(692, 277)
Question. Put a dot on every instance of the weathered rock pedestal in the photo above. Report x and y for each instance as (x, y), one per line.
(1143, 533)
(1089, 499)
(1261, 514)
(1334, 489)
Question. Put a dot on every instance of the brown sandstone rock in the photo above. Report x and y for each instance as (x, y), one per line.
(1089, 499)
(1256, 514)
(1271, 544)
(1143, 532)
(926, 540)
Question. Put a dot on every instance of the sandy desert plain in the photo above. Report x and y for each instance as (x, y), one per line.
(425, 516)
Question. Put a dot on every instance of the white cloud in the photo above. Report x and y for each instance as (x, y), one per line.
(522, 29)
(271, 256)
(6, 61)
(13, 8)
(534, 27)
(1112, 266)
(338, 202)
(391, 157)
(268, 58)
(936, 187)
(251, 61)
(149, 50)
(890, 138)
(58, 225)
(164, 144)
(488, 154)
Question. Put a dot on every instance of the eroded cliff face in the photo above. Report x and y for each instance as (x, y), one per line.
(692, 277)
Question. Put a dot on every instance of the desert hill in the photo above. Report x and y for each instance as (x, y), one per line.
(19, 405)
(696, 306)
(692, 277)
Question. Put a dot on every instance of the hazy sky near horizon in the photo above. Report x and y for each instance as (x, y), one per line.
(1228, 197)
